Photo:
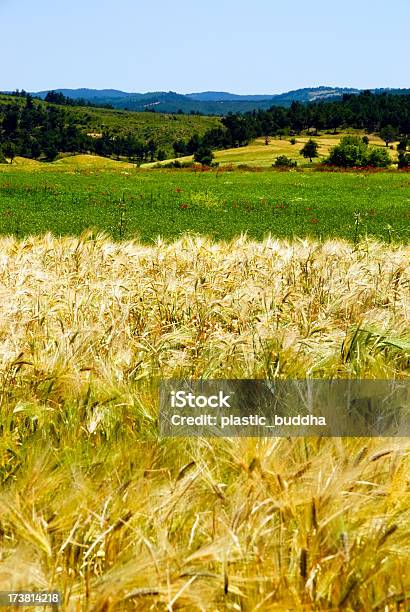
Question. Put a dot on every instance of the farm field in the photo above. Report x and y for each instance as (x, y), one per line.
(76, 193)
(113, 278)
(95, 504)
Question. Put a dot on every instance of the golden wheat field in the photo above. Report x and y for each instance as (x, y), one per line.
(95, 504)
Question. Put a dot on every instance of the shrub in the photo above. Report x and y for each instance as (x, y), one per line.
(352, 152)
(284, 162)
(378, 158)
(404, 160)
(204, 156)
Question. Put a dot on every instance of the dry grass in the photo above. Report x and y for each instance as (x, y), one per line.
(257, 153)
(95, 504)
(76, 163)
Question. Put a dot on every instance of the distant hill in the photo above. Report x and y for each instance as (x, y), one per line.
(224, 96)
(208, 102)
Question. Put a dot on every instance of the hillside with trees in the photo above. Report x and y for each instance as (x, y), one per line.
(385, 114)
(40, 130)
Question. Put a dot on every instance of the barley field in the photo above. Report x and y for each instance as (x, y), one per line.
(96, 504)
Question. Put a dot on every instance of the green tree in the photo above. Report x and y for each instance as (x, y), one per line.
(9, 151)
(389, 134)
(284, 162)
(180, 147)
(310, 149)
(377, 157)
(204, 156)
(35, 149)
(352, 152)
(50, 149)
(152, 147)
(404, 160)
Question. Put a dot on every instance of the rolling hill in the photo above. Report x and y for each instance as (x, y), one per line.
(164, 128)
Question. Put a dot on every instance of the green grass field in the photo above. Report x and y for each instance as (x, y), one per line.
(77, 193)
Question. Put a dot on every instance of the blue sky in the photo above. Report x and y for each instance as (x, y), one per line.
(263, 46)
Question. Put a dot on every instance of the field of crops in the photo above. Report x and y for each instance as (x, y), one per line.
(73, 194)
(96, 504)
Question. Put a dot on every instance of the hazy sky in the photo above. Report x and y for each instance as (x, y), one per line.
(259, 46)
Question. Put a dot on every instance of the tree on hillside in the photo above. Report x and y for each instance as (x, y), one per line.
(9, 151)
(353, 152)
(152, 147)
(194, 143)
(35, 148)
(56, 97)
(404, 160)
(389, 134)
(180, 148)
(11, 118)
(310, 149)
(204, 156)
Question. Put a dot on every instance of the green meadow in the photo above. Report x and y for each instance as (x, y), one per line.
(82, 192)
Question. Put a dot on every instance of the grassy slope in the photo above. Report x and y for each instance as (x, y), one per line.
(95, 504)
(75, 193)
(259, 154)
(165, 129)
